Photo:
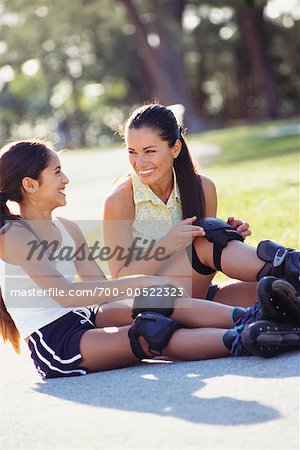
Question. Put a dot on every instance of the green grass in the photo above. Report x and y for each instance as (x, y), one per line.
(254, 142)
(257, 178)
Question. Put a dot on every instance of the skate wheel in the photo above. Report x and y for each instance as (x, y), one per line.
(269, 339)
(278, 339)
(282, 287)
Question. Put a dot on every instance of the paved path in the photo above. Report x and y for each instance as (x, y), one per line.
(223, 404)
(244, 403)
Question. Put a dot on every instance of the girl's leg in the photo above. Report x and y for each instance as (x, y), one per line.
(261, 338)
(195, 313)
(195, 344)
(191, 313)
(114, 314)
(105, 349)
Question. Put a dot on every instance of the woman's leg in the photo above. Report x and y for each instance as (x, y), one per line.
(245, 263)
(179, 267)
(229, 254)
(238, 260)
(236, 293)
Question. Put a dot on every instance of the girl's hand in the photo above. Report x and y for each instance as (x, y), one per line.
(241, 226)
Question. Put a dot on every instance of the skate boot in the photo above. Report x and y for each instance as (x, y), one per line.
(262, 338)
(277, 301)
(281, 262)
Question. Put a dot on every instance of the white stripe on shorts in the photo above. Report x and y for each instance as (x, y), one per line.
(50, 350)
(83, 372)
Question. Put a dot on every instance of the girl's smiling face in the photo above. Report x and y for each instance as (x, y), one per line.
(50, 189)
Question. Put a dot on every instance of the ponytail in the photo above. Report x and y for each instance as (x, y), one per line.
(189, 183)
(8, 329)
(4, 211)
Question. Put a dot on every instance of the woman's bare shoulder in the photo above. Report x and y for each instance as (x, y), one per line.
(210, 195)
(119, 204)
(207, 183)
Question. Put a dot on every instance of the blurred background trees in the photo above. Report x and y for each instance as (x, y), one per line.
(72, 70)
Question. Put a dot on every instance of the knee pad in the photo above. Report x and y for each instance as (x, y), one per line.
(156, 329)
(196, 264)
(159, 299)
(220, 233)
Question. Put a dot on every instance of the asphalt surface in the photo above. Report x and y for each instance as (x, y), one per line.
(231, 403)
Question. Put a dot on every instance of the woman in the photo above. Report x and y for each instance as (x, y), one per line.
(51, 310)
(165, 200)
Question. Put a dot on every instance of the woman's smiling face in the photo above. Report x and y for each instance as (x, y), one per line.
(150, 156)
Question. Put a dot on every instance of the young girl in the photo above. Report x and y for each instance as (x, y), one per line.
(167, 202)
(44, 303)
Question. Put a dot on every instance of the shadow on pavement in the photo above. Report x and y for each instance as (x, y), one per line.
(171, 389)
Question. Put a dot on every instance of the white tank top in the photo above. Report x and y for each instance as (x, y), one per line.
(31, 312)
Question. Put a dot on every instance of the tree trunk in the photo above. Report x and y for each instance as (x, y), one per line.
(242, 110)
(199, 94)
(252, 23)
(165, 64)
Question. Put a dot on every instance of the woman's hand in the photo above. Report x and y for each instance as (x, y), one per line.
(181, 235)
(240, 226)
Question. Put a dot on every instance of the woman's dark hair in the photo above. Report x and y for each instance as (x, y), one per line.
(162, 120)
(17, 160)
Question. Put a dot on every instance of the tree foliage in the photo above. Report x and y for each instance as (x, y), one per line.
(91, 61)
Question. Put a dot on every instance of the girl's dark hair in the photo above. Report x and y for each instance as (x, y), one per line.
(162, 120)
(8, 329)
(17, 160)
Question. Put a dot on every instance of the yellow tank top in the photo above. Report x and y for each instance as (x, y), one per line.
(153, 218)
